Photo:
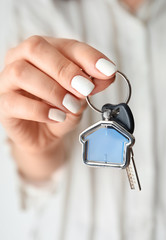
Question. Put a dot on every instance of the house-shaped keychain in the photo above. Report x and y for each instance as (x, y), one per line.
(108, 143)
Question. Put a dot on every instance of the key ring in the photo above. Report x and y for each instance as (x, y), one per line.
(128, 97)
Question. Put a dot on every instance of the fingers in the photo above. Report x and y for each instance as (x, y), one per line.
(14, 105)
(48, 59)
(87, 57)
(62, 62)
(22, 75)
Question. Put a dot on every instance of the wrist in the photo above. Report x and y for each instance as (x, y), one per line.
(38, 165)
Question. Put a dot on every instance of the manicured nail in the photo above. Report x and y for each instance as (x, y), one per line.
(56, 115)
(82, 85)
(71, 103)
(106, 67)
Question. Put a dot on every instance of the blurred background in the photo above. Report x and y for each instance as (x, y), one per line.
(79, 202)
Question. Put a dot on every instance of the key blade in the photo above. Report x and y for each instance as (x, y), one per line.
(137, 181)
(133, 174)
(130, 175)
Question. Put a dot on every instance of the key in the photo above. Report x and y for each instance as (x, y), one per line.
(133, 174)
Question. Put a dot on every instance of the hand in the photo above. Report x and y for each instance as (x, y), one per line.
(43, 89)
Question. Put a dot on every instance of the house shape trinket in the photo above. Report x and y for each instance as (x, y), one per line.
(106, 143)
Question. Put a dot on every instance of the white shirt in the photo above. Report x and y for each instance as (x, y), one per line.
(81, 202)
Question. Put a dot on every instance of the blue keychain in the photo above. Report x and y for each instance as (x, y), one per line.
(109, 142)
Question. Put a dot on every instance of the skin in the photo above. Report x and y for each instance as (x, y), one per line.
(133, 4)
(36, 77)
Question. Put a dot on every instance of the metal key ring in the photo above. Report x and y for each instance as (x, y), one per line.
(128, 97)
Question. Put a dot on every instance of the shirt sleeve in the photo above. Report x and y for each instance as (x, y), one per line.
(33, 194)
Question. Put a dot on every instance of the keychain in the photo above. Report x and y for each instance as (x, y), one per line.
(109, 142)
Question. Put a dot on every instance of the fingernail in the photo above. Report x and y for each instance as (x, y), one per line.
(71, 103)
(106, 67)
(56, 115)
(82, 85)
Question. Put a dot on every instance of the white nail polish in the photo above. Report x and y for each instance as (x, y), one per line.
(56, 115)
(82, 85)
(71, 103)
(106, 67)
